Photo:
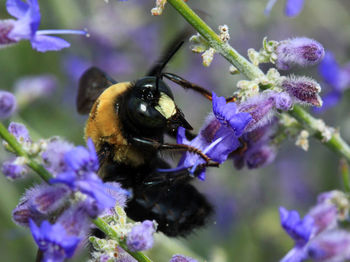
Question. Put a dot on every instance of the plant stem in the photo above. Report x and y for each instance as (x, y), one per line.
(45, 175)
(227, 51)
(251, 71)
(102, 225)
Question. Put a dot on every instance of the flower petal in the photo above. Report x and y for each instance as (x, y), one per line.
(43, 43)
(294, 7)
(16, 8)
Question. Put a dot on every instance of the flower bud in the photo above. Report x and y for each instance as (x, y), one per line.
(303, 89)
(283, 101)
(181, 258)
(330, 246)
(5, 28)
(261, 156)
(141, 236)
(7, 104)
(14, 169)
(19, 131)
(299, 51)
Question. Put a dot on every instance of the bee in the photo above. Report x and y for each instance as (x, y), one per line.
(127, 123)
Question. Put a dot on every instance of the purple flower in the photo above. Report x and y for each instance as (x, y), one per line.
(260, 156)
(298, 229)
(54, 241)
(283, 101)
(292, 8)
(219, 135)
(28, 89)
(181, 258)
(336, 77)
(330, 246)
(7, 104)
(303, 90)
(20, 132)
(14, 169)
(79, 175)
(76, 219)
(260, 107)
(299, 51)
(27, 24)
(141, 236)
(53, 156)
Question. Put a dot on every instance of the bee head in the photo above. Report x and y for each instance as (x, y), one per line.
(151, 105)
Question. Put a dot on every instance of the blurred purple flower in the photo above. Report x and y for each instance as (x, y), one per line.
(14, 169)
(53, 156)
(336, 77)
(300, 51)
(54, 241)
(292, 7)
(141, 236)
(20, 132)
(81, 165)
(298, 229)
(27, 89)
(7, 104)
(182, 258)
(27, 24)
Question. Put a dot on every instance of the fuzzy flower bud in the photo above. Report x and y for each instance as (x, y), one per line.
(303, 90)
(15, 169)
(208, 56)
(261, 156)
(181, 258)
(141, 236)
(158, 9)
(299, 51)
(7, 104)
(20, 132)
(6, 27)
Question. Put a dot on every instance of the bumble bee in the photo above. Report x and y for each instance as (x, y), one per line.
(127, 123)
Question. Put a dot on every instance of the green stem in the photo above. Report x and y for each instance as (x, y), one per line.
(251, 71)
(336, 142)
(45, 175)
(227, 51)
(102, 225)
(344, 170)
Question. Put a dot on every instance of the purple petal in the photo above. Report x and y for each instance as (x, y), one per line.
(329, 69)
(43, 43)
(16, 8)
(294, 7)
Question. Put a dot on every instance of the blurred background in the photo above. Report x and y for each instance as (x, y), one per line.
(125, 41)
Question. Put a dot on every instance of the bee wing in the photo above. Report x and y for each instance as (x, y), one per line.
(91, 85)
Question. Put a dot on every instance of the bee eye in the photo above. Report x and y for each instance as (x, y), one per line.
(143, 114)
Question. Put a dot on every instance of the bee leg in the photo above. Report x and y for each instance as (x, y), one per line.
(176, 147)
(188, 85)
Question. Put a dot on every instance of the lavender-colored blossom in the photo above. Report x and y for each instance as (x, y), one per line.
(141, 236)
(20, 132)
(7, 104)
(292, 7)
(303, 90)
(27, 24)
(14, 169)
(260, 107)
(54, 241)
(299, 51)
(325, 217)
(182, 258)
(253, 150)
(28, 89)
(23, 212)
(260, 156)
(283, 101)
(219, 135)
(53, 156)
(330, 246)
(47, 198)
(337, 79)
(76, 220)
(81, 165)
(298, 229)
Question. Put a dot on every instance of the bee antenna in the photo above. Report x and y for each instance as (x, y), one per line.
(158, 68)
